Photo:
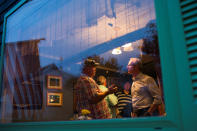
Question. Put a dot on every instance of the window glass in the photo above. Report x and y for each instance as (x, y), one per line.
(81, 59)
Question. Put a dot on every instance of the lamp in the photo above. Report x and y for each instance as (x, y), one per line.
(116, 51)
(128, 47)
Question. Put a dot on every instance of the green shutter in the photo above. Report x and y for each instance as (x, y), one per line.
(189, 16)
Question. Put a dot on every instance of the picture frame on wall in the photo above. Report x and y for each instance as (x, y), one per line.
(54, 82)
(54, 99)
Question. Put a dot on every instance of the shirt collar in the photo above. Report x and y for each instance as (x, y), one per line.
(87, 77)
(137, 77)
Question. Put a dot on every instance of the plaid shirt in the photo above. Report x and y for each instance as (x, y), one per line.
(85, 89)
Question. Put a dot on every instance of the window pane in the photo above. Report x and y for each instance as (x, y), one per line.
(61, 58)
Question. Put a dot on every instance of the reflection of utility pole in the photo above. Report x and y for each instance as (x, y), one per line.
(61, 61)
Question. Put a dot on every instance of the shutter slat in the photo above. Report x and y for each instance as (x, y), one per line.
(192, 48)
(192, 55)
(194, 84)
(194, 70)
(190, 27)
(195, 93)
(189, 15)
(191, 41)
(192, 6)
(191, 34)
(193, 62)
(194, 77)
(185, 3)
(190, 21)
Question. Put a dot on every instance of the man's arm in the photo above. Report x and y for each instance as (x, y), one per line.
(101, 95)
(152, 108)
(113, 100)
(156, 94)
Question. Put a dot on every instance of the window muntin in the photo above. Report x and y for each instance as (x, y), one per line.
(55, 41)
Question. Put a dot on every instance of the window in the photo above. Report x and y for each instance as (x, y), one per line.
(54, 38)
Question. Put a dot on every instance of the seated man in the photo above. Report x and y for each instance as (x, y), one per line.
(124, 101)
(87, 94)
(146, 96)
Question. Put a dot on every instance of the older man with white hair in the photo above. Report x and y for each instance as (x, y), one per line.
(146, 95)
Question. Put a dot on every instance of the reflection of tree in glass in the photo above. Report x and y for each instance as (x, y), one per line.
(111, 63)
(150, 48)
(150, 43)
(150, 51)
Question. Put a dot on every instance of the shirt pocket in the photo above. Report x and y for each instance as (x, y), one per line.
(140, 88)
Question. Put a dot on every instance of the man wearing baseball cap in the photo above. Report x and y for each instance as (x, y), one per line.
(87, 94)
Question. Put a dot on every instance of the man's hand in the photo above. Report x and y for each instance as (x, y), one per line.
(101, 95)
(112, 89)
(133, 114)
(147, 114)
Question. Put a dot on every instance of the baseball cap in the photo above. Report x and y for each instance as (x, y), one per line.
(90, 62)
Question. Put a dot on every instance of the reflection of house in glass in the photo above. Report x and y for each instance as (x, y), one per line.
(25, 84)
(54, 82)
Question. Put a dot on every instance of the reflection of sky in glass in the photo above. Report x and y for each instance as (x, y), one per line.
(75, 29)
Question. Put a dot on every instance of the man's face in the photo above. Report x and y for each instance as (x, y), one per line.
(92, 71)
(131, 67)
(127, 86)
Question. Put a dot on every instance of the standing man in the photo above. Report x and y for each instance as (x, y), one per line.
(146, 95)
(87, 94)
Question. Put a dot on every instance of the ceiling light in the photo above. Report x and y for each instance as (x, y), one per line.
(127, 45)
(116, 51)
